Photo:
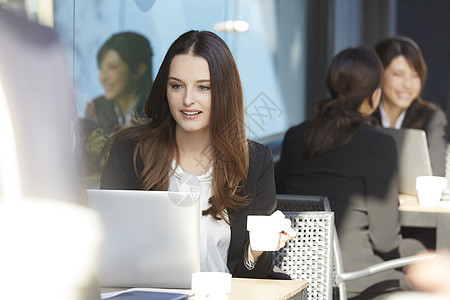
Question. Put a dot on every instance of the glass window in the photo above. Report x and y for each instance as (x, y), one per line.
(266, 37)
(270, 53)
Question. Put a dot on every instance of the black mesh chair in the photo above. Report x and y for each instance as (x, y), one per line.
(314, 254)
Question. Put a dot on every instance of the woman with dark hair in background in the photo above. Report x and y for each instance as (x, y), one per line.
(401, 106)
(125, 63)
(341, 156)
(196, 133)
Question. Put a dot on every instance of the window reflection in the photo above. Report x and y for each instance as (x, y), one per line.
(269, 53)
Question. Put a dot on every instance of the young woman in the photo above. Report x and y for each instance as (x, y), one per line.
(401, 105)
(125, 64)
(197, 132)
(339, 155)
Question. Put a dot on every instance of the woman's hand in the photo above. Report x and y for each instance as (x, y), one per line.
(287, 233)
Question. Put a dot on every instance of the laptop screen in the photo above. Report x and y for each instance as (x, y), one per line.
(151, 238)
(413, 157)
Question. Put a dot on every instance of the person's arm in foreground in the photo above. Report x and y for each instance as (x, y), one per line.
(431, 275)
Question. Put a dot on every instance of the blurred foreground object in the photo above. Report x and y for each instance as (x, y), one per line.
(432, 276)
(42, 107)
(430, 279)
(48, 246)
(48, 251)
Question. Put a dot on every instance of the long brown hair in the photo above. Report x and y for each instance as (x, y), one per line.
(353, 75)
(155, 141)
(388, 49)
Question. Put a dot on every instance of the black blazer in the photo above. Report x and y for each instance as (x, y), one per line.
(432, 120)
(360, 180)
(119, 174)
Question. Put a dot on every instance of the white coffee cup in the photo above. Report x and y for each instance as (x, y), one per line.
(264, 232)
(429, 189)
(211, 285)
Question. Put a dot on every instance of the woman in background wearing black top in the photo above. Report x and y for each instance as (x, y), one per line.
(339, 155)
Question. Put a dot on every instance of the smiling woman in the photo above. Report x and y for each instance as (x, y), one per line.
(402, 86)
(197, 133)
(401, 105)
(189, 95)
(125, 66)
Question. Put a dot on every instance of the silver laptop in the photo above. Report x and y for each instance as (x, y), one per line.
(151, 238)
(413, 157)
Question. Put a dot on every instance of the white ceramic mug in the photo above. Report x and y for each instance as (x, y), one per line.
(211, 285)
(264, 232)
(429, 189)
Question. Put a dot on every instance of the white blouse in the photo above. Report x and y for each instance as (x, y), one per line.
(386, 122)
(215, 235)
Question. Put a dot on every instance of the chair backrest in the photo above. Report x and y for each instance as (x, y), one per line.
(309, 256)
(302, 203)
(321, 266)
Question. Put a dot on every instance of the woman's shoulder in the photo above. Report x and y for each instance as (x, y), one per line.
(101, 100)
(374, 136)
(435, 110)
(421, 113)
(423, 108)
(127, 138)
(259, 154)
(123, 146)
(302, 127)
(296, 132)
(255, 148)
(430, 105)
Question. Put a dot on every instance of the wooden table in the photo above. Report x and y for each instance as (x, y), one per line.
(243, 288)
(251, 289)
(412, 214)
